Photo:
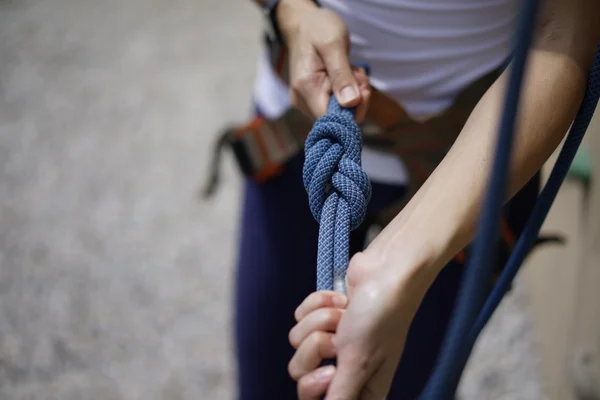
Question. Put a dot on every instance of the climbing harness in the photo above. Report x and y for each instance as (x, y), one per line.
(339, 191)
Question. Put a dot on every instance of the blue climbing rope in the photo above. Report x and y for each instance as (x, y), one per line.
(547, 196)
(473, 311)
(478, 271)
(338, 190)
(456, 348)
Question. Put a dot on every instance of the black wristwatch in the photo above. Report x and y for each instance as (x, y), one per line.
(270, 11)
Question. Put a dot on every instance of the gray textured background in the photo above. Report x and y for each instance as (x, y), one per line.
(115, 281)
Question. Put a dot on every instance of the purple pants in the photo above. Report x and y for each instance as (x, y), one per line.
(276, 271)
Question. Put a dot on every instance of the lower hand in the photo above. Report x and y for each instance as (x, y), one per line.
(367, 335)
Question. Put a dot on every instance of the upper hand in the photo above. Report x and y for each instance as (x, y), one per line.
(318, 45)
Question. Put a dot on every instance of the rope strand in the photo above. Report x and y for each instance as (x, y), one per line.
(338, 190)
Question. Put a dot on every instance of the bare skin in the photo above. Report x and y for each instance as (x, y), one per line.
(388, 281)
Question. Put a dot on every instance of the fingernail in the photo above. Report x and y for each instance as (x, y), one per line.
(340, 301)
(348, 94)
(325, 373)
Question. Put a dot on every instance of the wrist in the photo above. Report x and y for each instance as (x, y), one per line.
(408, 270)
(432, 228)
(411, 252)
(289, 13)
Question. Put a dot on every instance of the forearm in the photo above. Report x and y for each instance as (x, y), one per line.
(441, 218)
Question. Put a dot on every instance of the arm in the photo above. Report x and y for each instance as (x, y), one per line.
(387, 282)
(441, 217)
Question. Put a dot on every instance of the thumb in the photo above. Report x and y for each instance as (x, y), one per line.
(344, 85)
(354, 368)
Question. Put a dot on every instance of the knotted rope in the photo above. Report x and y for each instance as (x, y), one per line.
(338, 190)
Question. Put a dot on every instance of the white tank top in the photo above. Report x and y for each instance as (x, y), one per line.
(421, 52)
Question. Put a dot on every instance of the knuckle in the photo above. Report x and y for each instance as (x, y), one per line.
(341, 76)
(317, 339)
(335, 21)
(297, 82)
(330, 315)
(331, 43)
(321, 298)
(304, 386)
(303, 84)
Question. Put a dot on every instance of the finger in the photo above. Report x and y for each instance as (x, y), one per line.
(312, 103)
(297, 101)
(365, 91)
(354, 368)
(363, 107)
(343, 83)
(361, 77)
(321, 319)
(314, 349)
(313, 386)
(320, 299)
(309, 84)
(318, 99)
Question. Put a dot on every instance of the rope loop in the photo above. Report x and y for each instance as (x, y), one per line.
(332, 164)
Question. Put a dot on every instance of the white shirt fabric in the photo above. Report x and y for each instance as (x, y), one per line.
(422, 53)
